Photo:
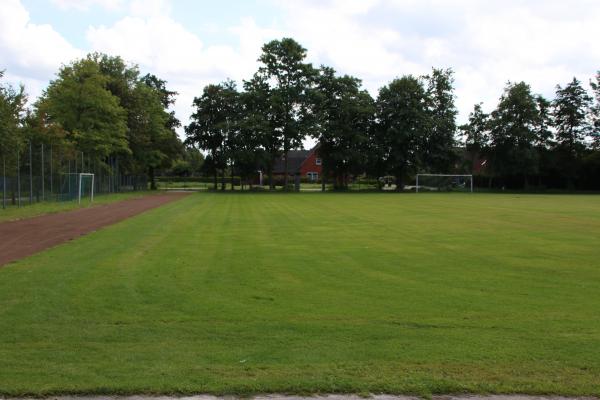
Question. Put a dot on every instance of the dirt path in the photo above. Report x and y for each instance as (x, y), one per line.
(22, 238)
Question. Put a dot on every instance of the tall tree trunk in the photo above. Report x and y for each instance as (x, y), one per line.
(232, 183)
(223, 179)
(215, 181)
(285, 171)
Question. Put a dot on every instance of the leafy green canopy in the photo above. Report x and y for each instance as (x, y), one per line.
(570, 109)
(105, 109)
(290, 80)
(439, 154)
(401, 113)
(344, 114)
(513, 133)
(80, 102)
(214, 123)
(595, 112)
(12, 107)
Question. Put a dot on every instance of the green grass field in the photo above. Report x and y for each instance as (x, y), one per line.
(298, 293)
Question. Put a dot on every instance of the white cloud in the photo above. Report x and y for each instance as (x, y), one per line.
(151, 38)
(29, 52)
(85, 5)
(150, 8)
(486, 43)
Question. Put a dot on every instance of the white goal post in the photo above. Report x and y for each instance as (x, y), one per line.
(81, 175)
(75, 186)
(450, 176)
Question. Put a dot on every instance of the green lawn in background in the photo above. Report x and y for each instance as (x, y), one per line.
(184, 185)
(246, 293)
(50, 207)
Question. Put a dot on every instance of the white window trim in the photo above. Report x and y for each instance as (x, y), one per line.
(313, 176)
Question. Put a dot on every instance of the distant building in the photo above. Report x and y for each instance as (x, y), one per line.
(305, 163)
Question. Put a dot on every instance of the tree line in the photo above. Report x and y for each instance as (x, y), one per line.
(98, 106)
(106, 108)
(530, 137)
(409, 127)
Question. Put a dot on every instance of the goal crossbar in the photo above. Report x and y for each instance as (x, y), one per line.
(81, 175)
(444, 175)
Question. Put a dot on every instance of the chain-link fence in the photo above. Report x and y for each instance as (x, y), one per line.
(42, 172)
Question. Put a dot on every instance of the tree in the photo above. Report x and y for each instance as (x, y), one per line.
(290, 79)
(544, 139)
(569, 110)
(213, 124)
(190, 163)
(259, 123)
(401, 115)
(255, 146)
(150, 125)
(345, 113)
(81, 104)
(439, 154)
(476, 134)
(194, 158)
(167, 97)
(245, 151)
(544, 123)
(153, 143)
(12, 107)
(513, 132)
(595, 112)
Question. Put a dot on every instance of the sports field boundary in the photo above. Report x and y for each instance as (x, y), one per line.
(22, 238)
(321, 397)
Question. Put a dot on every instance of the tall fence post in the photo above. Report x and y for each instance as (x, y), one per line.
(18, 179)
(69, 176)
(51, 177)
(3, 181)
(30, 174)
(43, 175)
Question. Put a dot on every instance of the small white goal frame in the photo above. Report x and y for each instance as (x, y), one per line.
(81, 175)
(444, 175)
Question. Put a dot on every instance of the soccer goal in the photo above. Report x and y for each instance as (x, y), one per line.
(444, 183)
(77, 186)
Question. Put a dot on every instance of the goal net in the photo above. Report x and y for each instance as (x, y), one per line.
(444, 183)
(77, 186)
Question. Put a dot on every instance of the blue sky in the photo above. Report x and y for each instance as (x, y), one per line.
(204, 18)
(192, 43)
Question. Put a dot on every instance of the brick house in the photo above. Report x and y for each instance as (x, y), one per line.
(304, 163)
